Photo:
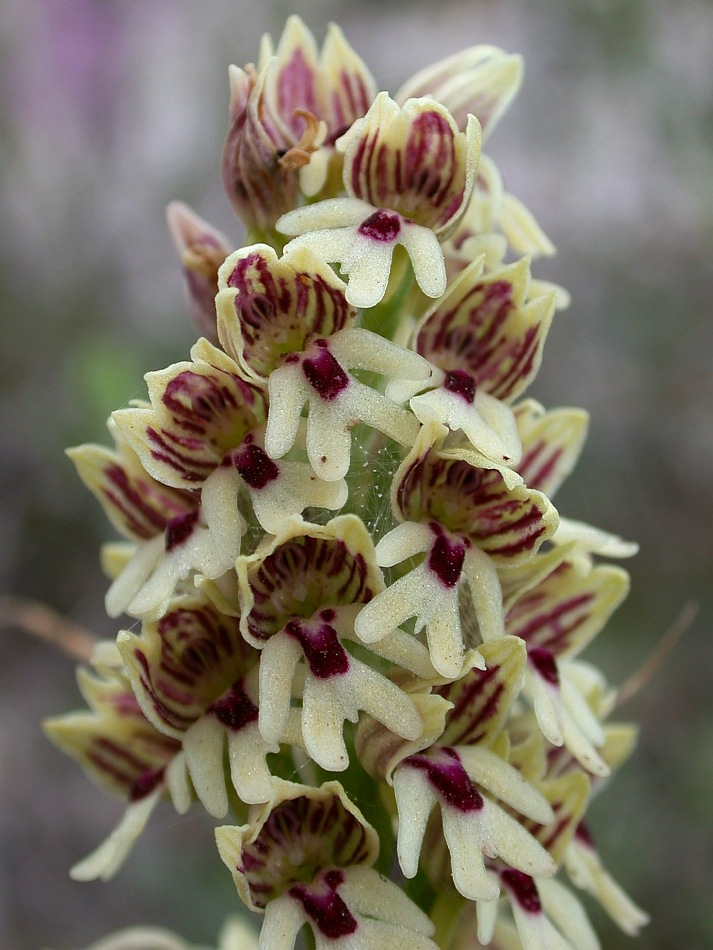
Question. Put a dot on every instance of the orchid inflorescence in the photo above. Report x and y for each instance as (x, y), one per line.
(359, 617)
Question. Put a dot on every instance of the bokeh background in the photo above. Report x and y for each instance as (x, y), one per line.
(110, 109)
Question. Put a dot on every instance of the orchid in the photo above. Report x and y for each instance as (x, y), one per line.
(358, 619)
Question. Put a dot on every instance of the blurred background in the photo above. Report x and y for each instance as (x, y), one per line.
(110, 109)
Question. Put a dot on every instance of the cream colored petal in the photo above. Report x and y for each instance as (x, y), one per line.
(505, 782)
(203, 746)
(567, 914)
(288, 393)
(323, 715)
(283, 920)
(415, 799)
(484, 584)
(111, 854)
(515, 845)
(429, 266)
(332, 213)
(357, 348)
(464, 834)
(329, 443)
(248, 768)
(405, 540)
(134, 575)
(278, 662)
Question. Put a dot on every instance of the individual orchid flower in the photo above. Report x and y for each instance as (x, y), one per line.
(468, 516)
(300, 594)
(307, 857)
(205, 425)
(192, 673)
(200, 410)
(287, 321)
(285, 119)
(557, 619)
(485, 336)
(453, 766)
(201, 250)
(465, 783)
(337, 400)
(270, 307)
(332, 87)
(409, 174)
(174, 531)
(123, 752)
(586, 871)
(469, 711)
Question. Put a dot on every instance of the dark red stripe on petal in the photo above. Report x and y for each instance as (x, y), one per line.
(324, 907)
(523, 889)
(448, 777)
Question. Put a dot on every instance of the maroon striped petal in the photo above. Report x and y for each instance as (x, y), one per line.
(486, 327)
(290, 840)
(551, 444)
(346, 86)
(481, 80)
(483, 698)
(137, 505)
(293, 82)
(413, 160)
(565, 611)
(260, 189)
(201, 250)
(199, 411)
(472, 498)
(270, 307)
(306, 569)
(184, 663)
(114, 743)
(569, 797)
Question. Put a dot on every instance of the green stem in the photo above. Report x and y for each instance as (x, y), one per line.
(421, 892)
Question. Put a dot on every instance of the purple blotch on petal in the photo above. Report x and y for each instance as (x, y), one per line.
(462, 384)
(255, 467)
(544, 662)
(523, 890)
(179, 530)
(445, 558)
(325, 907)
(235, 709)
(322, 648)
(324, 373)
(450, 779)
(381, 226)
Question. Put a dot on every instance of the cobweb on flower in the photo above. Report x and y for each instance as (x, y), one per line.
(374, 461)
